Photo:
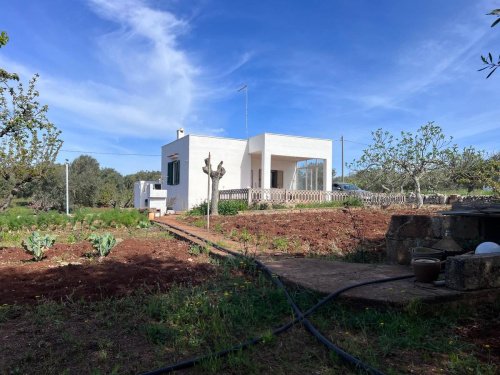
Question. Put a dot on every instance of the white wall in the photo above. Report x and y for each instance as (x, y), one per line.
(287, 166)
(268, 144)
(178, 192)
(144, 200)
(192, 150)
(236, 161)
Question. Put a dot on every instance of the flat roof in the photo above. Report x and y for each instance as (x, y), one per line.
(245, 140)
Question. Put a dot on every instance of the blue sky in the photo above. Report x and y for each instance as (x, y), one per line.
(121, 76)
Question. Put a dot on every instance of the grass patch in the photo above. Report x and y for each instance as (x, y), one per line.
(149, 329)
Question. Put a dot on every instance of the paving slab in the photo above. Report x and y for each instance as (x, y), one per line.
(326, 276)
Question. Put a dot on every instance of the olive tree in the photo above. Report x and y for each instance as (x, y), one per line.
(490, 62)
(29, 142)
(215, 175)
(411, 155)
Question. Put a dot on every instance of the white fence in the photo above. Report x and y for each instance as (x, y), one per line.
(283, 196)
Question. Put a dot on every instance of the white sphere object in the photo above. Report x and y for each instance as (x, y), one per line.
(487, 247)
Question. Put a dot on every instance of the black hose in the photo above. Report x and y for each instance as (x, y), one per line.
(300, 317)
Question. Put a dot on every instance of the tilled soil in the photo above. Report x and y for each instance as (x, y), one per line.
(337, 231)
(68, 272)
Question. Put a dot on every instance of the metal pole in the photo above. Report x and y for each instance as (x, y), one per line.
(245, 87)
(67, 188)
(342, 143)
(208, 191)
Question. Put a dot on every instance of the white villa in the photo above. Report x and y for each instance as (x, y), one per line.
(265, 161)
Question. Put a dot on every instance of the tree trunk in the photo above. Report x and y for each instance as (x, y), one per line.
(215, 176)
(214, 202)
(7, 201)
(420, 200)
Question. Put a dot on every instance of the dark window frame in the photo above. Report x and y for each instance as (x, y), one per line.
(173, 172)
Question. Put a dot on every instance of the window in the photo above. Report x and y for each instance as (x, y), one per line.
(173, 173)
(157, 187)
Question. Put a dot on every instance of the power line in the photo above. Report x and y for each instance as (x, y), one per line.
(106, 153)
(359, 143)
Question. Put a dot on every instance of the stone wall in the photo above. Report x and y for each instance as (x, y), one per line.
(472, 272)
(461, 201)
(408, 231)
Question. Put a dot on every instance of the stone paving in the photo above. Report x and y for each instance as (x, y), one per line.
(327, 276)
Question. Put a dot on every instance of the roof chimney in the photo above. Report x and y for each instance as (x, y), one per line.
(180, 133)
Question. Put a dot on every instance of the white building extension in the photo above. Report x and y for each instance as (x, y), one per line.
(149, 195)
(264, 161)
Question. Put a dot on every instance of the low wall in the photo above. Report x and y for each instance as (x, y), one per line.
(408, 231)
(291, 197)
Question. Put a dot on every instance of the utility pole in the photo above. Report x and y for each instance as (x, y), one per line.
(342, 146)
(245, 87)
(67, 187)
(209, 166)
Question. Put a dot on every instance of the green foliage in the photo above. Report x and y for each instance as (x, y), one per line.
(469, 169)
(199, 210)
(411, 155)
(226, 207)
(30, 143)
(488, 60)
(84, 182)
(4, 38)
(36, 244)
(280, 243)
(103, 243)
(231, 207)
(25, 218)
(198, 250)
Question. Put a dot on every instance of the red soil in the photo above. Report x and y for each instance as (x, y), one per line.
(66, 271)
(318, 231)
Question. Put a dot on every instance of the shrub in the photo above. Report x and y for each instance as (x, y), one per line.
(36, 244)
(103, 243)
(229, 207)
(199, 210)
(353, 202)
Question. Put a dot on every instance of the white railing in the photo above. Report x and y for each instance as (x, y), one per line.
(283, 196)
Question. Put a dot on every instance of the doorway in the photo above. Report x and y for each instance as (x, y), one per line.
(276, 179)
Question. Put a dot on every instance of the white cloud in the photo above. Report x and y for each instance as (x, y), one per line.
(148, 84)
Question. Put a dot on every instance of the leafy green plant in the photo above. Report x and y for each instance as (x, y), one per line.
(144, 224)
(36, 244)
(280, 243)
(103, 243)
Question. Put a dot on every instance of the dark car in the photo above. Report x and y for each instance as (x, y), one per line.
(349, 188)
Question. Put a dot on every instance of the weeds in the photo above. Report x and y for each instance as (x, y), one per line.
(280, 243)
(198, 250)
(348, 202)
(189, 320)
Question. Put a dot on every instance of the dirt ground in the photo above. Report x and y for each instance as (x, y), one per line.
(332, 231)
(67, 271)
